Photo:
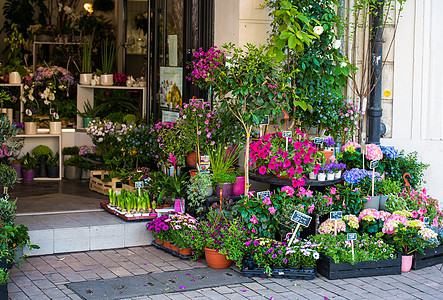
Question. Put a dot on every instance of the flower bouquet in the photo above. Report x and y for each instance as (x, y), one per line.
(269, 154)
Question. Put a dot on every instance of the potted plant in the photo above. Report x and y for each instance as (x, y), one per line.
(385, 188)
(180, 224)
(17, 165)
(88, 114)
(4, 277)
(52, 165)
(321, 176)
(28, 166)
(72, 170)
(86, 74)
(41, 153)
(222, 160)
(158, 228)
(8, 177)
(239, 184)
(108, 57)
(200, 186)
(30, 118)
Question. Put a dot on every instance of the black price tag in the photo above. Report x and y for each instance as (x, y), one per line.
(138, 184)
(287, 134)
(301, 218)
(352, 236)
(374, 164)
(263, 195)
(264, 121)
(318, 141)
(336, 215)
(426, 220)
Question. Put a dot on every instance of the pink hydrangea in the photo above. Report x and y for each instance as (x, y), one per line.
(369, 214)
(373, 152)
(391, 224)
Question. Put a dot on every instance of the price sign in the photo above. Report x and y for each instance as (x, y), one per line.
(301, 218)
(426, 220)
(363, 149)
(138, 184)
(287, 134)
(263, 195)
(352, 236)
(336, 215)
(374, 164)
(318, 141)
(264, 121)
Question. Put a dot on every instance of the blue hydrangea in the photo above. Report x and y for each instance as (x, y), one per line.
(356, 175)
(389, 152)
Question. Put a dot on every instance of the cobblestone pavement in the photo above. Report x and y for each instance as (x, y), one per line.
(45, 277)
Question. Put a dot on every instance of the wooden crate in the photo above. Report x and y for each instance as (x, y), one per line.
(431, 257)
(327, 267)
(96, 183)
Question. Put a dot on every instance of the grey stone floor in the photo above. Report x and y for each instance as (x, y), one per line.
(46, 277)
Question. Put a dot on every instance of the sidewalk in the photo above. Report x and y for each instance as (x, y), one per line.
(47, 277)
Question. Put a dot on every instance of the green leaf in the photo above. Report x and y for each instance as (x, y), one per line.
(292, 42)
(285, 35)
(286, 5)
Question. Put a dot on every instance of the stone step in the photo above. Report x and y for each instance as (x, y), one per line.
(82, 231)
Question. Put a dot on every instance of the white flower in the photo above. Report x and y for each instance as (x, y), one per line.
(318, 30)
(316, 255)
(56, 116)
(67, 10)
(343, 64)
(51, 96)
(28, 112)
(46, 102)
(337, 44)
(31, 97)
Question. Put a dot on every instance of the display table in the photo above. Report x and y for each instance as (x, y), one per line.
(53, 141)
(85, 93)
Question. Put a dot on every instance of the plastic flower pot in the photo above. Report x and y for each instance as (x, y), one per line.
(174, 248)
(373, 202)
(312, 176)
(330, 176)
(28, 175)
(52, 171)
(167, 244)
(406, 263)
(338, 175)
(239, 186)
(227, 190)
(18, 169)
(216, 260)
(321, 176)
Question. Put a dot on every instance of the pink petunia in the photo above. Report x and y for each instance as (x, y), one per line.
(253, 220)
(272, 210)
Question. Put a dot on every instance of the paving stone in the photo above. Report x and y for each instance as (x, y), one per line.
(31, 290)
(54, 293)
(12, 288)
(120, 271)
(56, 278)
(22, 281)
(44, 284)
(254, 286)
(176, 296)
(223, 290)
(275, 287)
(18, 296)
(233, 296)
(160, 297)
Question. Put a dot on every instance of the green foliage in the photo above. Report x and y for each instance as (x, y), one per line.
(197, 190)
(109, 101)
(222, 159)
(29, 162)
(7, 211)
(406, 163)
(88, 111)
(8, 175)
(366, 248)
(130, 119)
(224, 178)
(108, 56)
(87, 53)
(70, 150)
(42, 150)
(7, 129)
(4, 275)
(116, 117)
(73, 161)
(52, 160)
(230, 132)
(387, 187)
(176, 185)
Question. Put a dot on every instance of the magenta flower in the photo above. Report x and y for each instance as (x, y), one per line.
(253, 220)
(272, 210)
(262, 170)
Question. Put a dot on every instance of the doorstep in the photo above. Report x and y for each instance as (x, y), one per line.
(82, 231)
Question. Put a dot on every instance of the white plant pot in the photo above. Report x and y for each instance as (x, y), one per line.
(321, 176)
(137, 215)
(55, 127)
(107, 79)
(129, 215)
(338, 175)
(312, 176)
(31, 127)
(145, 214)
(85, 78)
(15, 78)
(330, 176)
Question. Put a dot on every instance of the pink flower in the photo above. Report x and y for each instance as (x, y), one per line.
(262, 170)
(199, 132)
(272, 210)
(333, 191)
(271, 166)
(267, 201)
(253, 220)
(287, 163)
(311, 208)
(414, 214)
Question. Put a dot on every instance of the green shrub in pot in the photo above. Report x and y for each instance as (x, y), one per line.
(29, 162)
(41, 150)
(197, 190)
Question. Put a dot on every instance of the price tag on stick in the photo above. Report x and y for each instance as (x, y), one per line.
(301, 219)
(318, 141)
(287, 135)
(138, 186)
(373, 165)
(352, 237)
(335, 215)
(426, 220)
(263, 195)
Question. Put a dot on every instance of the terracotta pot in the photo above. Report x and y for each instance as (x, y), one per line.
(327, 155)
(193, 172)
(191, 159)
(406, 263)
(216, 260)
(174, 248)
(167, 244)
(158, 241)
(185, 251)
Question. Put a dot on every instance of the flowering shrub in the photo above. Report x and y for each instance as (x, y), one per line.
(366, 248)
(389, 152)
(205, 66)
(197, 125)
(351, 155)
(168, 140)
(372, 220)
(351, 222)
(373, 152)
(270, 156)
(329, 226)
(85, 150)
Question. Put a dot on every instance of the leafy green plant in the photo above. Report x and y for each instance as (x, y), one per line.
(387, 187)
(406, 163)
(70, 150)
(88, 111)
(72, 161)
(29, 162)
(4, 275)
(223, 159)
(176, 185)
(197, 189)
(87, 53)
(41, 150)
(108, 56)
(53, 160)
(7, 211)
(224, 178)
(116, 117)
(8, 175)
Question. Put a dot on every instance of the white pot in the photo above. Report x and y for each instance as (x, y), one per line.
(107, 79)
(330, 176)
(312, 176)
(137, 214)
(338, 175)
(55, 127)
(129, 215)
(30, 127)
(85, 78)
(321, 176)
(15, 78)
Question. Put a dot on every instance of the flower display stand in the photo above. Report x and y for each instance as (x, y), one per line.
(169, 250)
(430, 258)
(328, 268)
(144, 217)
(250, 269)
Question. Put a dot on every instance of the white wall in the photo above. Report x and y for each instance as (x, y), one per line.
(417, 94)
